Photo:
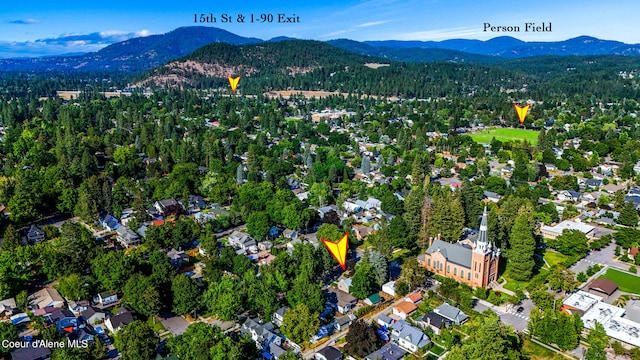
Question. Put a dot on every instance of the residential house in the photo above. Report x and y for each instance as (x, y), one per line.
(168, 207)
(264, 337)
(408, 337)
(203, 218)
(84, 335)
(389, 288)
(328, 353)
(242, 241)
(35, 234)
(362, 231)
(389, 351)
(278, 317)
(177, 258)
(384, 320)
(404, 309)
(45, 298)
(118, 321)
(195, 203)
(7, 307)
(77, 307)
(453, 314)
(31, 353)
(265, 245)
(325, 209)
(374, 299)
(491, 196)
(127, 237)
(569, 195)
(345, 284)
(93, 316)
(414, 298)
(105, 298)
(593, 183)
(108, 222)
(23, 318)
(433, 321)
(64, 319)
(340, 300)
(290, 234)
(342, 322)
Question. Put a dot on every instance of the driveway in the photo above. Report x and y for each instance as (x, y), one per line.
(177, 325)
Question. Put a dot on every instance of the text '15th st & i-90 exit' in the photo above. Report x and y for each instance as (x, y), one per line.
(249, 18)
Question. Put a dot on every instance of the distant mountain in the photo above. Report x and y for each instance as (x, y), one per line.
(509, 47)
(411, 54)
(132, 55)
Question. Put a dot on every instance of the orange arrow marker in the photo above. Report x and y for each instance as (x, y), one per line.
(522, 112)
(233, 82)
(339, 249)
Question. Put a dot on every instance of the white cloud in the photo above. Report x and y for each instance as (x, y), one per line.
(373, 23)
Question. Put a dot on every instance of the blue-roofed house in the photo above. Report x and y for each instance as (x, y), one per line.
(108, 222)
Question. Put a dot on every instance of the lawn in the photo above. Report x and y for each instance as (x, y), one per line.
(537, 352)
(626, 282)
(554, 257)
(437, 350)
(506, 134)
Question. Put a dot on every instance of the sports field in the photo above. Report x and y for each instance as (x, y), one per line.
(505, 134)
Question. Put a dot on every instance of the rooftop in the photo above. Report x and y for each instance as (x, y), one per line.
(582, 300)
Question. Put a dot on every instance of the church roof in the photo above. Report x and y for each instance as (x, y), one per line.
(454, 253)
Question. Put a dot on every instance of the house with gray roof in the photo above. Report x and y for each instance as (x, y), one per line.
(390, 351)
(453, 314)
(408, 337)
(127, 237)
(278, 316)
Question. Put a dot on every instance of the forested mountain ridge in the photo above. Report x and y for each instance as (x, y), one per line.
(315, 65)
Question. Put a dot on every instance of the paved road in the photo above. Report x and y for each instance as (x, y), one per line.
(603, 256)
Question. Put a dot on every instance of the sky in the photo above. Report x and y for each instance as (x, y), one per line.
(37, 28)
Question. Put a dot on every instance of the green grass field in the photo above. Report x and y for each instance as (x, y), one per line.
(626, 282)
(554, 257)
(537, 352)
(506, 134)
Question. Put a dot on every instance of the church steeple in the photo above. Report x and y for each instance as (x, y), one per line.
(483, 237)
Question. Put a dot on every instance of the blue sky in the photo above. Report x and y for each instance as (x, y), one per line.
(71, 26)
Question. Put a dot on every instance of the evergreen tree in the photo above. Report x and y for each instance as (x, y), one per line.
(11, 238)
(447, 216)
(365, 165)
(241, 176)
(522, 246)
(412, 210)
(628, 215)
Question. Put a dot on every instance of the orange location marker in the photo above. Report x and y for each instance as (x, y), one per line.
(339, 249)
(233, 82)
(522, 112)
